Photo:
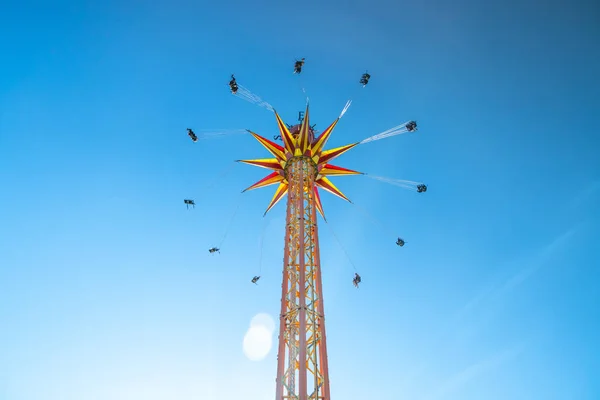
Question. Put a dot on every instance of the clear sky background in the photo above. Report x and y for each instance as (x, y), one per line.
(108, 292)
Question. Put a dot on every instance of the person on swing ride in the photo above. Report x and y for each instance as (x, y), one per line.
(411, 126)
(214, 250)
(365, 79)
(189, 203)
(298, 66)
(233, 85)
(192, 135)
(356, 280)
(255, 279)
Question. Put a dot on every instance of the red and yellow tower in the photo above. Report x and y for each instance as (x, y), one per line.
(300, 167)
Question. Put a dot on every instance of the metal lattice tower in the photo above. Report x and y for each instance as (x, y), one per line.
(302, 372)
(301, 167)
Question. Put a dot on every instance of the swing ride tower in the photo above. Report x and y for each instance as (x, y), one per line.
(300, 168)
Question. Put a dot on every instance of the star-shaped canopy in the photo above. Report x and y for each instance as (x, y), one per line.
(300, 144)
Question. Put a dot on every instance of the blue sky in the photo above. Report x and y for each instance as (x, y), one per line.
(107, 290)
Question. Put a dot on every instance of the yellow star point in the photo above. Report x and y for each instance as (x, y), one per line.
(295, 145)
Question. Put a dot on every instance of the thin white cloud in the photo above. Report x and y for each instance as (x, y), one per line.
(539, 260)
(496, 290)
(532, 265)
(462, 378)
(587, 192)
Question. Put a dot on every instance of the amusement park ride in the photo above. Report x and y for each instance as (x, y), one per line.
(300, 167)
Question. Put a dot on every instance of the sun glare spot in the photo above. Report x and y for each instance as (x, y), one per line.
(258, 339)
(257, 343)
(264, 320)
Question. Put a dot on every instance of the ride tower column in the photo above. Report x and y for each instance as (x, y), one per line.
(301, 166)
(302, 370)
